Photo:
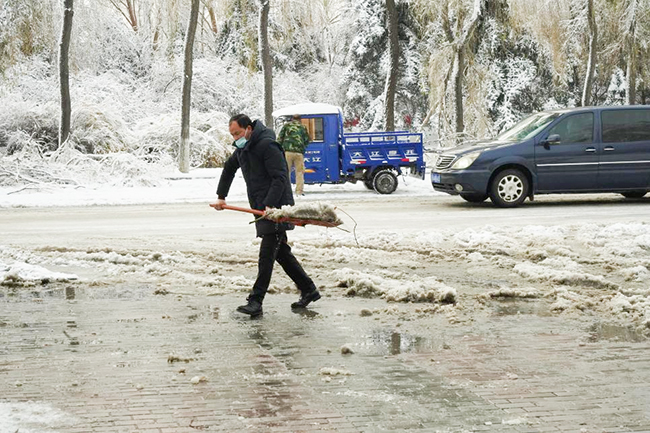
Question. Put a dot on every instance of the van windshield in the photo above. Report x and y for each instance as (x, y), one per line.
(528, 127)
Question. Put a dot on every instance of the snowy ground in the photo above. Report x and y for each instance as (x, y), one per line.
(198, 186)
(583, 257)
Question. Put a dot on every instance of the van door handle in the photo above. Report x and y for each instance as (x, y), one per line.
(590, 149)
(608, 148)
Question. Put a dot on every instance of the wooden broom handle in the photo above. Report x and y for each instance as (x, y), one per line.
(241, 209)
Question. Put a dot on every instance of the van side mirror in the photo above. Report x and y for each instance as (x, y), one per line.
(552, 140)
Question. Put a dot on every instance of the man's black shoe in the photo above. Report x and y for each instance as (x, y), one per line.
(305, 300)
(253, 308)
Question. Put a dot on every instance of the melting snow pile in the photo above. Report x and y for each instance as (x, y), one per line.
(395, 286)
(633, 305)
(313, 211)
(540, 272)
(18, 273)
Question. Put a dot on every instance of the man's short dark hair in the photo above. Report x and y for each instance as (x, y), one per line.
(242, 120)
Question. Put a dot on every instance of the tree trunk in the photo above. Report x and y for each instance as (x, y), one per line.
(631, 54)
(213, 20)
(458, 90)
(184, 153)
(631, 75)
(129, 14)
(133, 18)
(64, 72)
(393, 69)
(591, 63)
(267, 69)
(459, 50)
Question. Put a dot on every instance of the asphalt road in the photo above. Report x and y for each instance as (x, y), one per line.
(194, 225)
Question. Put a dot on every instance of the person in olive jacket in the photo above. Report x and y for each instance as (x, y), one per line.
(264, 167)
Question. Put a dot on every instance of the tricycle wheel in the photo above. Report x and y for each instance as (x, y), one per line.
(368, 184)
(384, 181)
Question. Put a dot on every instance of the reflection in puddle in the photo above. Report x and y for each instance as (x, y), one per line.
(394, 343)
(607, 331)
(69, 293)
(309, 314)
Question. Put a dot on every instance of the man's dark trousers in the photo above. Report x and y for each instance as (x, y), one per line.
(275, 247)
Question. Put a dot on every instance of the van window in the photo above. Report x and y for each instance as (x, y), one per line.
(314, 126)
(528, 127)
(625, 125)
(576, 128)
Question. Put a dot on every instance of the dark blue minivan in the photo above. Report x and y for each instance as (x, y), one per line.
(579, 150)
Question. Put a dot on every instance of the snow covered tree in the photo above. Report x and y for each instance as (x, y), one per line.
(28, 28)
(369, 63)
(128, 10)
(365, 81)
(237, 37)
(458, 21)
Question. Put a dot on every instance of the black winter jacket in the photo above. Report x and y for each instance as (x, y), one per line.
(264, 167)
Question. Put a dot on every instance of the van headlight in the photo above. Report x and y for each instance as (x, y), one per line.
(465, 161)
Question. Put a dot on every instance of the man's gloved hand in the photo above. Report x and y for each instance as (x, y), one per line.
(219, 204)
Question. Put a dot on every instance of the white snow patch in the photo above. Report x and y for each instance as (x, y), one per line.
(395, 286)
(636, 273)
(32, 417)
(538, 272)
(20, 271)
(567, 300)
(515, 421)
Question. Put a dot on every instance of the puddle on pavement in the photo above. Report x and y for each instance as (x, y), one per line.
(390, 342)
(607, 331)
(78, 292)
(512, 308)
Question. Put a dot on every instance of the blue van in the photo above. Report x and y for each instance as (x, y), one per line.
(579, 150)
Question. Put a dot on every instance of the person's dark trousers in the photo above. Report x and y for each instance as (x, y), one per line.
(274, 247)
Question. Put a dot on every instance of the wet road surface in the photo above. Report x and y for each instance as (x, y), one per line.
(127, 360)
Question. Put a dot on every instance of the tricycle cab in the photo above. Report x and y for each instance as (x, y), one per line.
(324, 123)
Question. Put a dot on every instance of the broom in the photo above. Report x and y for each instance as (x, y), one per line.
(318, 214)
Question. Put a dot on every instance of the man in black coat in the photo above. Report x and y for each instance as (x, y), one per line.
(264, 167)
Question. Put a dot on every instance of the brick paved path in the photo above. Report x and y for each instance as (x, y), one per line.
(101, 362)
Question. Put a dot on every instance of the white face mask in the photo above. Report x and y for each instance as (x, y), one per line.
(241, 142)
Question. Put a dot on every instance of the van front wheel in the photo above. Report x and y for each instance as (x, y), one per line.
(509, 188)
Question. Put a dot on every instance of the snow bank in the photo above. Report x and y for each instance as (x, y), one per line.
(19, 273)
(539, 272)
(633, 307)
(394, 286)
